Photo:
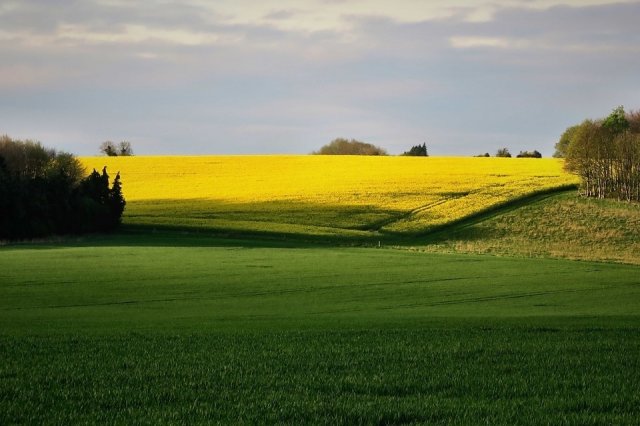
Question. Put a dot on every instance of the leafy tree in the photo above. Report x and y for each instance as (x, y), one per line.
(343, 146)
(606, 155)
(503, 152)
(616, 122)
(417, 151)
(563, 144)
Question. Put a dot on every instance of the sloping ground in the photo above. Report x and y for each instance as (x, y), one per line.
(174, 329)
(558, 225)
(326, 196)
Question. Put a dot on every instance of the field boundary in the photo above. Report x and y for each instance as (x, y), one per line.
(494, 211)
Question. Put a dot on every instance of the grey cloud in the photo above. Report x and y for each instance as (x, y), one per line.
(277, 15)
(392, 83)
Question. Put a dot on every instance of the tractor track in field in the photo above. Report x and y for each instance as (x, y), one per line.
(261, 293)
(378, 225)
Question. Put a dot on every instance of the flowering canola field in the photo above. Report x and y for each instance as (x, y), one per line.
(322, 195)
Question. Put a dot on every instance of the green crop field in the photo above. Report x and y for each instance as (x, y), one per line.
(184, 328)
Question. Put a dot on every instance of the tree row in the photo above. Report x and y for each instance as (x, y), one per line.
(44, 192)
(605, 153)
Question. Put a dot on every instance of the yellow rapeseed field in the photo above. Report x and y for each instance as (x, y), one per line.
(344, 195)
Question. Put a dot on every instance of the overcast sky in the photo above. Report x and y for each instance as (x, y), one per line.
(245, 76)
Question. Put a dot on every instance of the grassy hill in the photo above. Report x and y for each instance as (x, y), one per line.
(553, 225)
(355, 197)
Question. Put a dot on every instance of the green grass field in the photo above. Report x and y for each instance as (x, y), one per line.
(553, 225)
(175, 328)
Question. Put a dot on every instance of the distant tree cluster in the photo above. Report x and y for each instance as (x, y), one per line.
(605, 153)
(342, 146)
(43, 192)
(123, 149)
(417, 151)
(529, 154)
(503, 152)
(486, 154)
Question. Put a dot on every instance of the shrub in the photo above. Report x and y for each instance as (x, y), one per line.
(503, 152)
(529, 154)
(342, 146)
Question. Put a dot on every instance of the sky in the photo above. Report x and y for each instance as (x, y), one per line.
(286, 77)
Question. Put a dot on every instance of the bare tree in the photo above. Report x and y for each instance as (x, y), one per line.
(124, 149)
(108, 148)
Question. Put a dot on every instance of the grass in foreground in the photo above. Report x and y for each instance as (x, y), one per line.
(129, 329)
(479, 373)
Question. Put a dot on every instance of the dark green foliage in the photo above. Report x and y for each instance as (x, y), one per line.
(101, 207)
(616, 122)
(486, 154)
(42, 193)
(417, 151)
(342, 146)
(529, 154)
(503, 152)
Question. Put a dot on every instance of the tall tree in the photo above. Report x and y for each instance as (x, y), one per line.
(565, 140)
(606, 155)
(43, 192)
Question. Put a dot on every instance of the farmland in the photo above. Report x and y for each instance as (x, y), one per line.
(174, 328)
(347, 196)
(188, 315)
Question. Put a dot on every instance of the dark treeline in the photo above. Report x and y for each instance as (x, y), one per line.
(605, 153)
(417, 151)
(44, 192)
(529, 154)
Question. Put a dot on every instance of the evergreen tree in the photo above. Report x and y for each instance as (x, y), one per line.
(417, 151)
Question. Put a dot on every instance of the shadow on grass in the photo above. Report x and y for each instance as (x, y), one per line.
(464, 229)
(209, 235)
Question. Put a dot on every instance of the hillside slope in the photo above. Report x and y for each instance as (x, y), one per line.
(328, 196)
(558, 225)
